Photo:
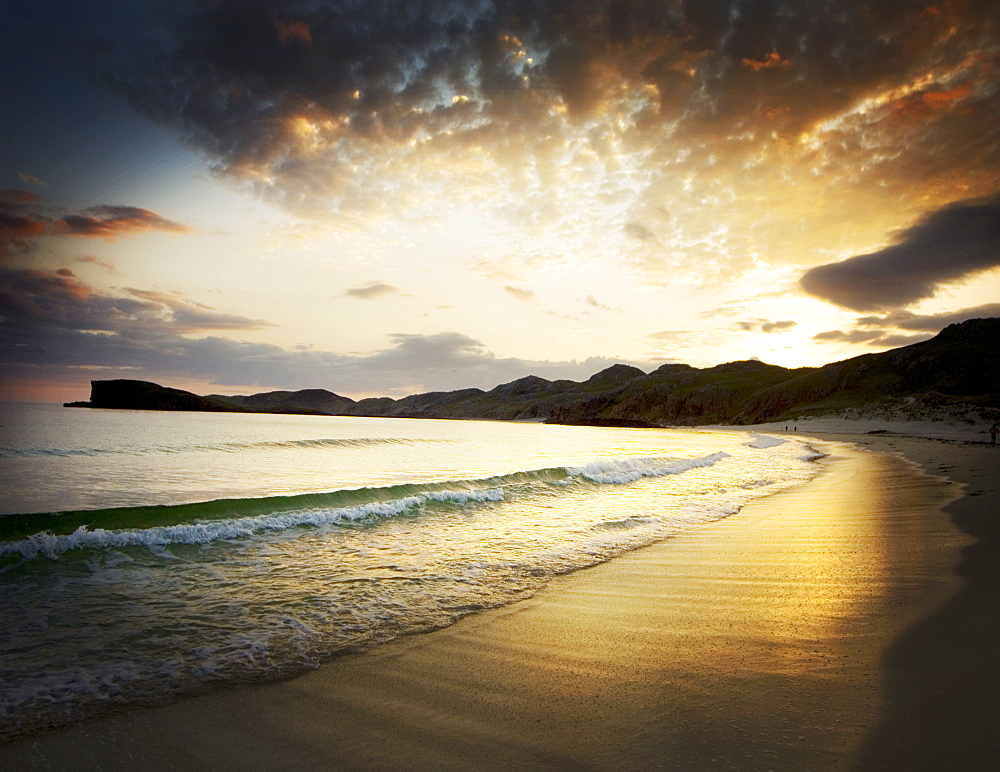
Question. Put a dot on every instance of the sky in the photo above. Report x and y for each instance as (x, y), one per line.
(384, 197)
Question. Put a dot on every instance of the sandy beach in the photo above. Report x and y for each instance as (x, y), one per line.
(852, 622)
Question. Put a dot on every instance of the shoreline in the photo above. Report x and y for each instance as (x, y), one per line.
(722, 646)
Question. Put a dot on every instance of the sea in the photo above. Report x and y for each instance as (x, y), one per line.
(147, 556)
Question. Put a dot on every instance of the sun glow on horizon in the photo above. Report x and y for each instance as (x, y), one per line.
(633, 188)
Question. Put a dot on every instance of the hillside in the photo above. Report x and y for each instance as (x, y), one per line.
(955, 373)
(307, 400)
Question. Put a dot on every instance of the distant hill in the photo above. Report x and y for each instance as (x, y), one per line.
(314, 400)
(954, 373)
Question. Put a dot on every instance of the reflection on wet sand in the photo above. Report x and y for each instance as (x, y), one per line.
(752, 642)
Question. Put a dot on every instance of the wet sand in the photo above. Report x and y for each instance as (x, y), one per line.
(821, 628)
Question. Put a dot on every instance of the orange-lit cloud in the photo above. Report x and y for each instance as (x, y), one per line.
(928, 102)
(109, 222)
(16, 227)
(16, 197)
(19, 225)
(628, 106)
(773, 59)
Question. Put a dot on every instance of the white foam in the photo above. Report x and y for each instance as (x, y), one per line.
(629, 522)
(761, 441)
(51, 545)
(809, 453)
(617, 471)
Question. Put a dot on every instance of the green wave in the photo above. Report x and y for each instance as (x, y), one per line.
(58, 523)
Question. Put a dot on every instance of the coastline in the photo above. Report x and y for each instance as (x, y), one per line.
(822, 627)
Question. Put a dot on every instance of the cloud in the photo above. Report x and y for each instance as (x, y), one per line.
(853, 336)
(54, 325)
(372, 290)
(595, 303)
(21, 222)
(640, 232)
(877, 338)
(763, 325)
(94, 260)
(314, 102)
(933, 322)
(19, 226)
(109, 222)
(773, 59)
(27, 179)
(520, 293)
(945, 246)
(17, 198)
(58, 302)
(15, 228)
(897, 328)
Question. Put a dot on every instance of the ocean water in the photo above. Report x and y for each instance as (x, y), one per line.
(145, 556)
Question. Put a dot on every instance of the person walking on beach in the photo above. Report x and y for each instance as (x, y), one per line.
(993, 434)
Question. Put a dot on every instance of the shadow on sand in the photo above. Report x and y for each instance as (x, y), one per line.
(941, 680)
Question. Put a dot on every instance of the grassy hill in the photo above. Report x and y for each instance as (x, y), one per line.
(956, 372)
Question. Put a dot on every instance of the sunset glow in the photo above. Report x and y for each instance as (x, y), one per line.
(382, 198)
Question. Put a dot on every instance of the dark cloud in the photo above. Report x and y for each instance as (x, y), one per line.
(17, 198)
(267, 89)
(957, 241)
(109, 222)
(878, 338)
(16, 232)
(34, 302)
(52, 324)
(372, 290)
(21, 222)
(18, 225)
(931, 322)
(897, 328)
(852, 336)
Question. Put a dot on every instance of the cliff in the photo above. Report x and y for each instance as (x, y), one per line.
(125, 394)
